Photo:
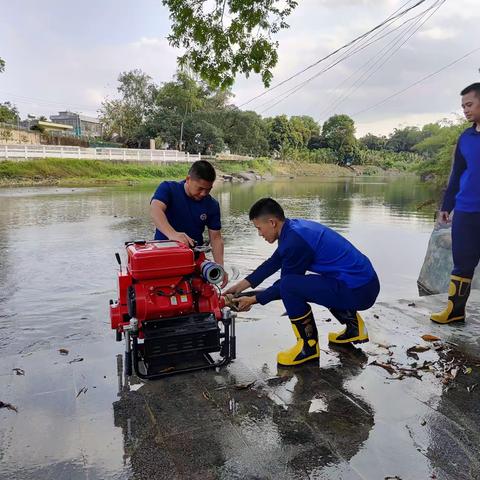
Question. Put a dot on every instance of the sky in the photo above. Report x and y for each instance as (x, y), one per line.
(68, 55)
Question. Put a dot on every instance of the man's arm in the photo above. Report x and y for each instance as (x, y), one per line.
(267, 268)
(297, 258)
(217, 244)
(157, 211)
(448, 204)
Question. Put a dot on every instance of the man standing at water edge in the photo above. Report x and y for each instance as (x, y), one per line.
(182, 210)
(343, 279)
(463, 196)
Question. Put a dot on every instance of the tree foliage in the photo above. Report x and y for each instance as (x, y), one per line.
(124, 117)
(404, 139)
(235, 36)
(338, 134)
(373, 142)
(8, 113)
(187, 113)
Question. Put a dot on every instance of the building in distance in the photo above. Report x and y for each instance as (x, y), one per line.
(82, 125)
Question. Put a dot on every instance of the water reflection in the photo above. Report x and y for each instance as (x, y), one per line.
(56, 245)
(197, 429)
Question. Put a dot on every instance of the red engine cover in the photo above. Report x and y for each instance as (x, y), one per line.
(163, 298)
(150, 260)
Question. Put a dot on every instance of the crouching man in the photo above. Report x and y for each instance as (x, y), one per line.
(342, 279)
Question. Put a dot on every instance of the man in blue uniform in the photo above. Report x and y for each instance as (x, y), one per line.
(342, 279)
(182, 210)
(463, 196)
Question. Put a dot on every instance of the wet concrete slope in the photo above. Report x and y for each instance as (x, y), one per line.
(371, 413)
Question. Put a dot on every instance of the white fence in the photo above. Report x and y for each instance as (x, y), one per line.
(28, 152)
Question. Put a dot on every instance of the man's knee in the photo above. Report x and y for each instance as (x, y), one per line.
(288, 283)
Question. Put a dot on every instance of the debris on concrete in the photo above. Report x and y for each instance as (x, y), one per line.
(82, 390)
(75, 360)
(8, 406)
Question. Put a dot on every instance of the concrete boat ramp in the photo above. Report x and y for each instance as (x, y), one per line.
(382, 411)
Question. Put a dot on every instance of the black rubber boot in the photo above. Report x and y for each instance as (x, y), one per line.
(355, 330)
(306, 348)
(458, 292)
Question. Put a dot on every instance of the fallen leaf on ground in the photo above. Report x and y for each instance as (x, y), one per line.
(471, 388)
(413, 355)
(412, 304)
(243, 386)
(418, 349)
(385, 366)
(8, 406)
(78, 359)
(168, 369)
(19, 371)
(206, 396)
(467, 370)
(430, 338)
(63, 351)
(383, 345)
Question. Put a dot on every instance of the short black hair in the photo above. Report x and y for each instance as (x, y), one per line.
(266, 206)
(202, 170)
(474, 87)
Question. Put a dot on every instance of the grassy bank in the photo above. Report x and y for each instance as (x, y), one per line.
(71, 172)
(54, 171)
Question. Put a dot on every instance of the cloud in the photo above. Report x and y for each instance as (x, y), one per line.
(77, 67)
(439, 33)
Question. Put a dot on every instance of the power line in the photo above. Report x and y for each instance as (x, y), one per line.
(389, 19)
(28, 100)
(430, 75)
(380, 62)
(299, 86)
(346, 55)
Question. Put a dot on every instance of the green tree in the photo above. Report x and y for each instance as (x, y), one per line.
(280, 133)
(373, 142)
(438, 148)
(404, 139)
(202, 137)
(245, 133)
(166, 124)
(182, 95)
(8, 113)
(338, 133)
(125, 117)
(235, 36)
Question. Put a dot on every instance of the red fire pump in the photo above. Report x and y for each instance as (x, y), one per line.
(170, 310)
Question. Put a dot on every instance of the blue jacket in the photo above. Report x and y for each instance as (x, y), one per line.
(186, 214)
(304, 246)
(463, 190)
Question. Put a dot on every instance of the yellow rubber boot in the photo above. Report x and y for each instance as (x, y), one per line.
(306, 348)
(458, 292)
(355, 330)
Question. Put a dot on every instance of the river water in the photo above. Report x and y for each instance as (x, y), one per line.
(57, 265)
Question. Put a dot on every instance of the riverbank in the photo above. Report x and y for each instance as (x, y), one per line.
(70, 172)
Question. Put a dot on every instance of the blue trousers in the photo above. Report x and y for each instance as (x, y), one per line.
(297, 290)
(465, 243)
